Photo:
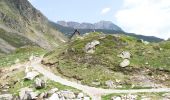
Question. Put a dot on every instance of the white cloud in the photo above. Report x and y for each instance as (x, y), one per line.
(147, 17)
(105, 10)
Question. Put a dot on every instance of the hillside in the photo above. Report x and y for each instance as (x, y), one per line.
(112, 61)
(22, 24)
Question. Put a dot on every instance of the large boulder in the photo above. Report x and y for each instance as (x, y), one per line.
(90, 47)
(39, 83)
(110, 84)
(125, 55)
(52, 91)
(31, 75)
(116, 98)
(6, 97)
(54, 97)
(68, 94)
(125, 63)
(27, 94)
(80, 95)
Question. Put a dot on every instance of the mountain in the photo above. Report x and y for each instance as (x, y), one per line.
(21, 24)
(64, 28)
(99, 25)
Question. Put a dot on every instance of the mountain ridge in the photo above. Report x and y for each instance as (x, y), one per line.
(84, 25)
(19, 17)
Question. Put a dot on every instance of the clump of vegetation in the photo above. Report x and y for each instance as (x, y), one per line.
(73, 62)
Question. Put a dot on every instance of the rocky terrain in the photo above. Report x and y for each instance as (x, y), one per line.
(29, 26)
(38, 62)
(112, 61)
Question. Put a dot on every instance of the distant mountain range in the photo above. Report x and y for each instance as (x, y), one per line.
(103, 26)
(108, 25)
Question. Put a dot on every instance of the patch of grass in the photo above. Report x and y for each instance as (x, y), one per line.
(22, 54)
(152, 96)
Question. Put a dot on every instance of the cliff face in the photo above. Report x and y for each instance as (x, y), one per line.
(21, 18)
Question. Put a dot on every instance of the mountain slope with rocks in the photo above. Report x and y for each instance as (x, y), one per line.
(112, 61)
(29, 26)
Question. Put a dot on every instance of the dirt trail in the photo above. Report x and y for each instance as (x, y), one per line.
(95, 93)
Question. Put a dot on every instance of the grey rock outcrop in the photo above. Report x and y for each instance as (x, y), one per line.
(31, 75)
(125, 55)
(27, 94)
(125, 63)
(39, 83)
(6, 97)
(90, 47)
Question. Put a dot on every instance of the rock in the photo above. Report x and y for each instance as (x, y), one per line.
(34, 95)
(54, 97)
(80, 95)
(53, 90)
(6, 97)
(39, 83)
(125, 63)
(116, 98)
(24, 93)
(31, 75)
(110, 84)
(96, 83)
(68, 94)
(90, 47)
(86, 98)
(31, 57)
(125, 55)
(43, 95)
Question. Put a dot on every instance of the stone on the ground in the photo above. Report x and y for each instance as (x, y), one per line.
(24, 93)
(80, 95)
(125, 63)
(68, 94)
(86, 98)
(54, 97)
(39, 83)
(31, 75)
(110, 84)
(53, 90)
(96, 83)
(90, 47)
(116, 98)
(125, 55)
(43, 95)
(6, 97)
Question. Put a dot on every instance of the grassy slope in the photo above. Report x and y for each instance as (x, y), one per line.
(28, 83)
(153, 96)
(22, 54)
(13, 39)
(71, 61)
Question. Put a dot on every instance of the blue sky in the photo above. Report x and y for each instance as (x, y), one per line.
(146, 17)
(79, 10)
